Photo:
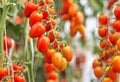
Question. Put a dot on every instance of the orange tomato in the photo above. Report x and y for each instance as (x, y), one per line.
(57, 59)
(67, 51)
(98, 71)
(64, 65)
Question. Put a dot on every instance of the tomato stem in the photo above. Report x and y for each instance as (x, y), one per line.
(2, 27)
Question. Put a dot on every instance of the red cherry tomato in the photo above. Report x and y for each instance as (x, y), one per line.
(18, 78)
(35, 17)
(29, 8)
(37, 30)
(43, 43)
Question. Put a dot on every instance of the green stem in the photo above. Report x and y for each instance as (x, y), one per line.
(2, 26)
(30, 72)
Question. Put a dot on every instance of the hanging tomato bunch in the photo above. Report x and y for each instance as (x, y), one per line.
(70, 11)
(43, 27)
(107, 66)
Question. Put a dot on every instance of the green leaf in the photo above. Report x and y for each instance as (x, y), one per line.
(97, 5)
(14, 31)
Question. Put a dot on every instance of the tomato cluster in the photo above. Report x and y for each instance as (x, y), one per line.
(43, 27)
(109, 55)
(16, 70)
(70, 12)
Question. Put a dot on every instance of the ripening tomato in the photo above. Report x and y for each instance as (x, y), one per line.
(102, 55)
(35, 17)
(98, 71)
(53, 76)
(73, 29)
(107, 79)
(116, 63)
(117, 12)
(112, 50)
(103, 19)
(18, 78)
(43, 43)
(7, 42)
(67, 51)
(49, 68)
(113, 37)
(37, 30)
(112, 74)
(79, 18)
(73, 9)
(48, 55)
(103, 43)
(66, 5)
(108, 61)
(81, 30)
(51, 10)
(96, 63)
(102, 31)
(118, 44)
(3, 72)
(64, 65)
(57, 59)
(116, 25)
(45, 15)
(29, 8)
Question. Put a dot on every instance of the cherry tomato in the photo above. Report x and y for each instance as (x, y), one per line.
(43, 43)
(35, 17)
(67, 51)
(98, 71)
(103, 19)
(57, 59)
(102, 31)
(73, 9)
(116, 25)
(49, 68)
(117, 12)
(64, 65)
(53, 76)
(18, 78)
(37, 30)
(29, 8)
(48, 55)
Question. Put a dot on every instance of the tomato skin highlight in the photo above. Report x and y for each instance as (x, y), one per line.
(29, 8)
(43, 43)
(37, 30)
(35, 17)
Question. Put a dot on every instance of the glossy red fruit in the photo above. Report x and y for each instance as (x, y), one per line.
(103, 19)
(18, 78)
(113, 37)
(35, 17)
(53, 76)
(3, 72)
(48, 55)
(102, 31)
(29, 8)
(17, 67)
(116, 25)
(37, 30)
(49, 68)
(117, 12)
(7, 43)
(43, 43)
